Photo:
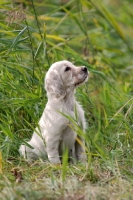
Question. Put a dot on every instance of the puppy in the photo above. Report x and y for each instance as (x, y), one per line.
(54, 132)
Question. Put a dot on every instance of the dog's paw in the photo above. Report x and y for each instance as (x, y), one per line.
(82, 158)
(54, 161)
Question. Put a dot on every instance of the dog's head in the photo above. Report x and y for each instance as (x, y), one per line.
(63, 77)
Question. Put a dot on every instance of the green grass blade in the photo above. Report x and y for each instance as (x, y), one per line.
(17, 39)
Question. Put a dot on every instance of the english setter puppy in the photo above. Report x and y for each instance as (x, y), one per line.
(54, 132)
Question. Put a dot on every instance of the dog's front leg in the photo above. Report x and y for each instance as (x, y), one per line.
(52, 147)
(80, 150)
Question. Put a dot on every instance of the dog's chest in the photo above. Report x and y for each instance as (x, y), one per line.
(68, 136)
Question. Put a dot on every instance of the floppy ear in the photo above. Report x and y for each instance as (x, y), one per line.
(54, 85)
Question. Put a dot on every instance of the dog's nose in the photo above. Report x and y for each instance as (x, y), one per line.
(84, 69)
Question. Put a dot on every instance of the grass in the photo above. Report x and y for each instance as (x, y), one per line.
(97, 34)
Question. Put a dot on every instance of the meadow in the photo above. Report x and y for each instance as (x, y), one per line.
(98, 35)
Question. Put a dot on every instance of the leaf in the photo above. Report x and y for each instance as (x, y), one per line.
(64, 164)
(17, 39)
(17, 174)
(38, 50)
(6, 130)
(55, 37)
(0, 162)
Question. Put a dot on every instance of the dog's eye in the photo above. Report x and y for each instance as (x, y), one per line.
(67, 69)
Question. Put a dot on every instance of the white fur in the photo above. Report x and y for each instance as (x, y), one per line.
(54, 133)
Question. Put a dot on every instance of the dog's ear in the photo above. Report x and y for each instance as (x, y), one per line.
(54, 85)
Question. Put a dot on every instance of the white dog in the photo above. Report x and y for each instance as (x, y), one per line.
(54, 132)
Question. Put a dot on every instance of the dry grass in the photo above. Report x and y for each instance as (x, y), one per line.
(43, 181)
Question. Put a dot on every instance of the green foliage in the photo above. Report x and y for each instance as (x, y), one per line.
(97, 34)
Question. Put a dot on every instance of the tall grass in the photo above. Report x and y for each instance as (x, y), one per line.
(97, 34)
